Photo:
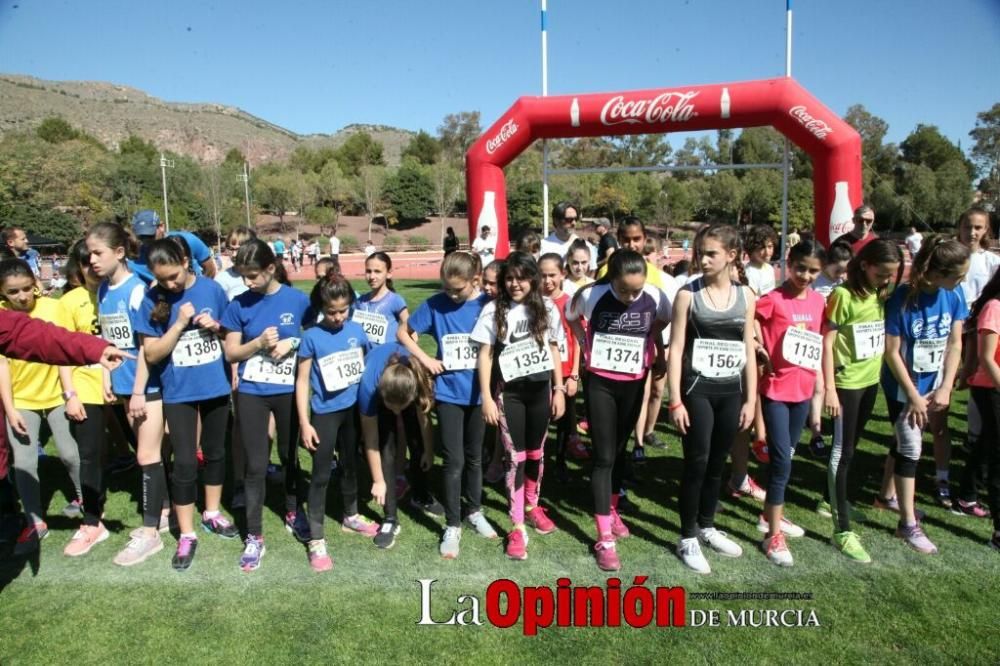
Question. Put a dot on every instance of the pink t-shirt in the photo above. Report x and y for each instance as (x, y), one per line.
(988, 320)
(777, 311)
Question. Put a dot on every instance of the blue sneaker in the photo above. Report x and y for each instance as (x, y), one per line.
(253, 553)
(298, 526)
(220, 525)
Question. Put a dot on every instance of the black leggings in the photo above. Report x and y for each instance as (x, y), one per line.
(985, 450)
(91, 441)
(714, 422)
(612, 410)
(855, 408)
(390, 429)
(336, 433)
(565, 428)
(254, 412)
(462, 429)
(182, 419)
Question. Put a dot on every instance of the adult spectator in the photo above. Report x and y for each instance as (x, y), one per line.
(564, 218)
(485, 245)
(147, 227)
(793, 239)
(370, 248)
(914, 241)
(279, 248)
(28, 339)
(607, 243)
(862, 234)
(450, 241)
(16, 240)
(334, 248)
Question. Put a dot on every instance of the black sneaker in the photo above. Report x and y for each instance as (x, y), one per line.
(650, 439)
(942, 494)
(220, 525)
(431, 507)
(818, 448)
(186, 548)
(386, 537)
(639, 455)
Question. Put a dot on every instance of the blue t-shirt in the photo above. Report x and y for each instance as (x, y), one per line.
(199, 254)
(923, 330)
(374, 365)
(279, 247)
(32, 258)
(118, 311)
(252, 312)
(383, 319)
(319, 342)
(195, 369)
(440, 316)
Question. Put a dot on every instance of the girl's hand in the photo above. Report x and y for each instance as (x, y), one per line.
(282, 349)
(112, 357)
(434, 366)
(831, 403)
(378, 492)
(185, 314)
(137, 407)
(310, 439)
(109, 393)
(75, 410)
(747, 412)
(490, 412)
(558, 405)
(572, 386)
(205, 320)
(940, 400)
(17, 422)
(764, 361)
(269, 338)
(916, 411)
(427, 460)
(679, 417)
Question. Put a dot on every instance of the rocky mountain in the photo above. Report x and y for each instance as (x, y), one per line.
(205, 132)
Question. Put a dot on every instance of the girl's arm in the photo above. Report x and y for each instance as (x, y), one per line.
(572, 388)
(987, 355)
(660, 361)
(309, 437)
(137, 401)
(427, 435)
(157, 349)
(831, 402)
(749, 408)
(403, 316)
(485, 367)
(678, 414)
(74, 406)
(916, 409)
(14, 417)
(558, 386)
(941, 397)
(369, 433)
(408, 338)
(237, 351)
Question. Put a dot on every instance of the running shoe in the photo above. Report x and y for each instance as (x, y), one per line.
(650, 439)
(122, 464)
(402, 487)
(430, 507)
(200, 457)
(638, 455)
(759, 450)
(788, 528)
(689, 550)
(542, 523)
(219, 524)
(358, 524)
(184, 557)
(892, 504)
(583, 427)
(719, 542)
(387, 533)
(915, 538)
(253, 553)
(495, 471)
(319, 559)
(84, 539)
(974, 509)
(748, 489)
(167, 521)
(576, 449)
(849, 544)
(619, 530)
(74, 509)
(818, 448)
(606, 555)
(942, 494)
(482, 526)
(777, 550)
(298, 526)
(30, 539)
(449, 543)
(139, 549)
(517, 544)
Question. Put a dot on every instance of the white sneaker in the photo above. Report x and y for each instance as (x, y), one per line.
(449, 543)
(788, 528)
(482, 526)
(719, 542)
(690, 554)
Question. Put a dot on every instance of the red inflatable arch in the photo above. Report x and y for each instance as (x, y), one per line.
(833, 145)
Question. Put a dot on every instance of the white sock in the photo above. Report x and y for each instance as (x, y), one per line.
(189, 535)
(208, 515)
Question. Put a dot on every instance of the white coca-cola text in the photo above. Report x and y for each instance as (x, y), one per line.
(818, 127)
(667, 107)
(507, 130)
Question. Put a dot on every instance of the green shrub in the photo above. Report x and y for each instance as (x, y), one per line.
(391, 243)
(419, 242)
(349, 243)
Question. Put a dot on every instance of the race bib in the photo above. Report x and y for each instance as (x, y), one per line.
(459, 352)
(928, 355)
(524, 358)
(375, 325)
(262, 368)
(803, 348)
(720, 359)
(117, 329)
(563, 350)
(196, 347)
(617, 353)
(341, 369)
(869, 339)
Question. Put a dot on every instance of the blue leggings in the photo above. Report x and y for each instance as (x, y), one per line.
(784, 421)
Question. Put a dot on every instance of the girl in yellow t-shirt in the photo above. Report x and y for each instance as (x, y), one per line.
(31, 392)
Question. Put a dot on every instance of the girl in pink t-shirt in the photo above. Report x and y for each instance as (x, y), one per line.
(788, 323)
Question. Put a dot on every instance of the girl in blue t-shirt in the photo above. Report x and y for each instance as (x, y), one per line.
(262, 327)
(331, 362)
(923, 348)
(133, 383)
(179, 325)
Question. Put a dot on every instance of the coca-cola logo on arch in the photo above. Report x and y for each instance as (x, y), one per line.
(819, 128)
(666, 107)
(507, 130)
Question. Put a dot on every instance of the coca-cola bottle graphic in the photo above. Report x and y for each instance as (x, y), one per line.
(841, 215)
(488, 213)
(574, 113)
(724, 103)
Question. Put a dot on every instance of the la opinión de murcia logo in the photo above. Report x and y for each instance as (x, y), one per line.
(668, 107)
(507, 130)
(817, 127)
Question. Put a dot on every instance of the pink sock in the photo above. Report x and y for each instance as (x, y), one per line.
(530, 493)
(603, 527)
(614, 502)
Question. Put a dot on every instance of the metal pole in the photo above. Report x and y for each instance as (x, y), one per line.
(785, 160)
(163, 179)
(545, 144)
(246, 192)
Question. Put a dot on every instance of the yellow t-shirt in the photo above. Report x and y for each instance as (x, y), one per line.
(654, 275)
(36, 385)
(80, 306)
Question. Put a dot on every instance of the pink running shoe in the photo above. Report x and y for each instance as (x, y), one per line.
(618, 528)
(974, 509)
(517, 545)
(542, 523)
(915, 538)
(358, 524)
(759, 449)
(319, 559)
(748, 489)
(606, 555)
(576, 448)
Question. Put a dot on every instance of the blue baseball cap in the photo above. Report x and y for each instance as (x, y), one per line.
(145, 222)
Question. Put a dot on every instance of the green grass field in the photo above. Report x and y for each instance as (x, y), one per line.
(902, 608)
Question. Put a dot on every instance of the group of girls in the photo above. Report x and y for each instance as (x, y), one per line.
(514, 346)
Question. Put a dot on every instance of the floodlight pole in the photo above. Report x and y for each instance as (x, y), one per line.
(785, 166)
(164, 165)
(245, 177)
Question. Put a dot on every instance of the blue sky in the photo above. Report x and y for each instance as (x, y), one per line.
(314, 66)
